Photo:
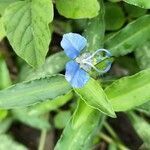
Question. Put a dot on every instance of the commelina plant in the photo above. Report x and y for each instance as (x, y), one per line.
(80, 67)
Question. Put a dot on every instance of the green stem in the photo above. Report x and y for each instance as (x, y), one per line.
(111, 131)
(42, 139)
(106, 138)
(110, 141)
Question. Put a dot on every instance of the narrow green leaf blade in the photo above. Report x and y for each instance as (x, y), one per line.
(95, 31)
(80, 129)
(53, 65)
(38, 122)
(140, 3)
(29, 93)
(130, 37)
(142, 55)
(129, 92)
(27, 28)
(77, 9)
(94, 96)
(50, 105)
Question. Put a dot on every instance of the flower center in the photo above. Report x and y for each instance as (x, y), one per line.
(85, 60)
(89, 60)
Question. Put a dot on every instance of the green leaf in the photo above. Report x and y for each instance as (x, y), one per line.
(4, 4)
(27, 29)
(129, 38)
(145, 108)
(2, 30)
(140, 3)
(50, 105)
(142, 128)
(5, 80)
(95, 30)
(61, 119)
(6, 142)
(114, 16)
(96, 97)
(79, 132)
(124, 94)
(142, 54)
(38, 122)
(77, 9)
(134, 11)
(5, 125)
(129, 92)
(53, 65)
(29, 93)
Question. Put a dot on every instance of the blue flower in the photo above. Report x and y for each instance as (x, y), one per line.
(77, 68)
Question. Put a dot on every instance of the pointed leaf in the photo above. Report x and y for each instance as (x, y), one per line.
(32, 92)
(79, 132)
(130, 37)
(93, 95)
(129, 92)
(27, 28)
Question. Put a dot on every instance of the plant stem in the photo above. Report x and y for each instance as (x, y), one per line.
(42, 139)
(111, 131)
(110, 140)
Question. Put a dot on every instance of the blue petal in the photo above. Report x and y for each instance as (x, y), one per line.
(75, 75)
(73, 43)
